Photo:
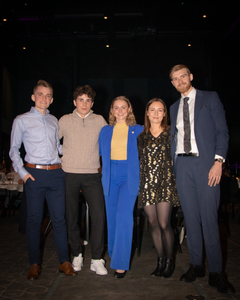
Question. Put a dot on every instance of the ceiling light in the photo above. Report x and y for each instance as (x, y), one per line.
(4, 20)
(204, 16)
(107, 46)
(105, 17)
(189, 45)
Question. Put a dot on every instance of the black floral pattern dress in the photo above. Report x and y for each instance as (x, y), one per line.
(157, 182)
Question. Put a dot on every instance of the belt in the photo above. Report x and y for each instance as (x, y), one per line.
(189, 154)
(44, 167)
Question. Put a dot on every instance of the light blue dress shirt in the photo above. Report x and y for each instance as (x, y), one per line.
(39, 134)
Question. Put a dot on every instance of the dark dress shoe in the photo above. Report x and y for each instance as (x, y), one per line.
(192, 273)
(34, 272)
(220, 281)
(119, 275)
(169, 268)
(67, 269)
(160, 267)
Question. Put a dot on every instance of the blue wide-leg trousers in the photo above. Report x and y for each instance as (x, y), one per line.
(119, 208)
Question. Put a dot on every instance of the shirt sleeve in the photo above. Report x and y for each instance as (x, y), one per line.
(59, 146)
(16, 141)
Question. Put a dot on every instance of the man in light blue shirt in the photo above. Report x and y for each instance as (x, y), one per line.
(43, 176)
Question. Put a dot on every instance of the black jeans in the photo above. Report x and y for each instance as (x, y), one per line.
(91, 187)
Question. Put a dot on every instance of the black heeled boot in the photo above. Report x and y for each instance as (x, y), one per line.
(168, 269)
(160, 267)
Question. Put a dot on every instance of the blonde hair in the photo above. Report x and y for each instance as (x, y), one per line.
(44, 84)
(130, 120)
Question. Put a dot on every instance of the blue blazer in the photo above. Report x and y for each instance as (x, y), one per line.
(133, 171)
(210, 127)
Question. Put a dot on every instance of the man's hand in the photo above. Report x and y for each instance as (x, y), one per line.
(215, 173)
(25, 178)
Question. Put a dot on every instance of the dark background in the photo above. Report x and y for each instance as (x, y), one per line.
(65, 44)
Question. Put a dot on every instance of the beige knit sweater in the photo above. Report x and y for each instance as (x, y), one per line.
(80, 142)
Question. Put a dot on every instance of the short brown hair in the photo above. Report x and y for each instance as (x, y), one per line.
(43, 83)
(130, 120)
(164, 123)
(86, 89)
(177, 68)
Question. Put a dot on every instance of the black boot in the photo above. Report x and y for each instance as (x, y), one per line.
(168, 269)
(160, 267)
(220, 281)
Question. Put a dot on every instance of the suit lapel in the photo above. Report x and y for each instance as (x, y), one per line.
(198, 106)
(131, 130)
(174, 115)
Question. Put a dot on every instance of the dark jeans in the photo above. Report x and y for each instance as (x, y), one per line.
(49, 185)
(91, 187)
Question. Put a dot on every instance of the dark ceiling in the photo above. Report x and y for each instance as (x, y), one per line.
(27, 20)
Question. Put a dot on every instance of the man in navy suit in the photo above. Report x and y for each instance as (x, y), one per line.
(199, 146)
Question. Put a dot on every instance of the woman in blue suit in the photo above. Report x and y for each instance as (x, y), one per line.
(120, 179)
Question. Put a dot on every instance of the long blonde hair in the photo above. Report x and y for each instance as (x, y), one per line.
(130, 120)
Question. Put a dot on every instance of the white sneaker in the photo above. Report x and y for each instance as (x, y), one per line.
(77, 262)
(98, 266)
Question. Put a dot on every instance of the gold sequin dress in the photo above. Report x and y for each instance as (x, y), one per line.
(157, 182)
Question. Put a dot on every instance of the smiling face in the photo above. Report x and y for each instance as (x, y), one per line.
(156, 113)
(43, 98)
(83, 104)
(181, 80)
(120, 110)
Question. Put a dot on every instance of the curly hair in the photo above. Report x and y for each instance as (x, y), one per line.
(84, 90)
(164, 123)
(130, 119)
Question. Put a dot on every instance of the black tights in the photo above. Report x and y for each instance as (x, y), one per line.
(159, 217)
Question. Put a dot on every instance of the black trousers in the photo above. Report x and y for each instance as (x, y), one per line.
(91, 187)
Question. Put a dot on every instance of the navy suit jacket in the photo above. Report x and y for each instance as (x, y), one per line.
(210, 127)
(133, 171)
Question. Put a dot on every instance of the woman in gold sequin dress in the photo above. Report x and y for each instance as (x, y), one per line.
(157, 191)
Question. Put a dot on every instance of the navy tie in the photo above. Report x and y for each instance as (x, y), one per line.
(186, 123)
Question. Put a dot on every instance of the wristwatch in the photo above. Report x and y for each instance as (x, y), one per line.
(219, 160)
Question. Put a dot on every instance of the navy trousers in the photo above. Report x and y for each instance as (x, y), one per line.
(49, 185)
(119, 207)
(200, 204)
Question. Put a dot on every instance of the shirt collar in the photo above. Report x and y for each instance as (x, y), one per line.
(85, 116)
(33, 110)
(191, 95)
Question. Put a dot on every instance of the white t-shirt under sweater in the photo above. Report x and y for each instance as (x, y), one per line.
(80, 142)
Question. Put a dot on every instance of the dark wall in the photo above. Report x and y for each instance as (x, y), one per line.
(137, 68)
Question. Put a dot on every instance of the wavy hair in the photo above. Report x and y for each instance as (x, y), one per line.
(147, 124)
(130, 119)
(84, 90)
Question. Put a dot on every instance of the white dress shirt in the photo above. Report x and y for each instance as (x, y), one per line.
(180, 125)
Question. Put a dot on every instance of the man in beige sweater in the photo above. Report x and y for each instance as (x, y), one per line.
(80, 161)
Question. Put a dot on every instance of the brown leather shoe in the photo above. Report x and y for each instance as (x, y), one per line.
(34, 272)
(67, 269)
